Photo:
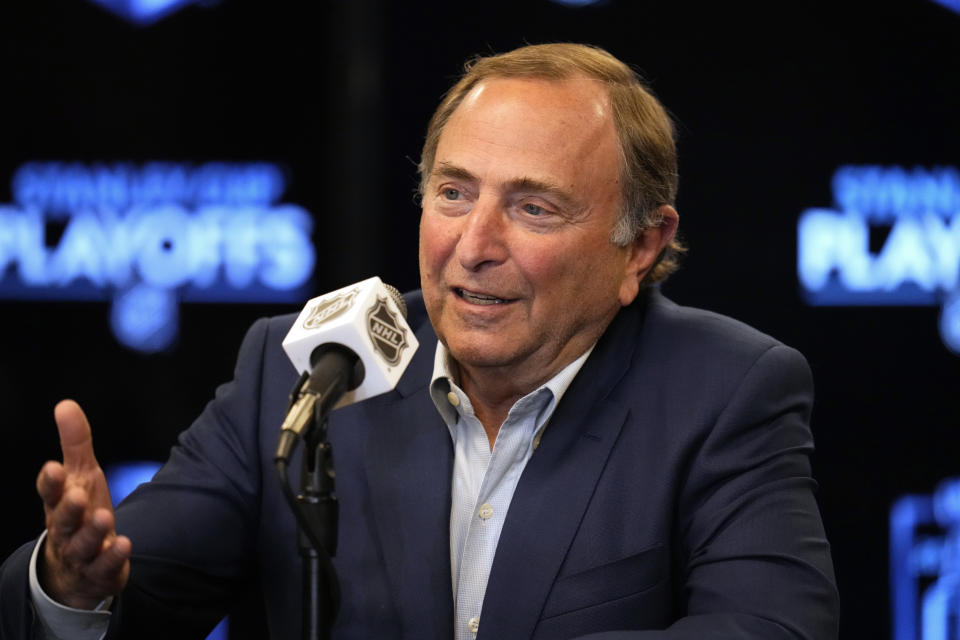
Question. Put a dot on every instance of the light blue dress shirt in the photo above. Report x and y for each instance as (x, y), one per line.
(483, 480)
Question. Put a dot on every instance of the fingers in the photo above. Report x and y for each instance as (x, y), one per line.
(85, 561)
(68, 515)
(84, 584)
(50, 483)
(110, 569)
(83, 540)
(76, 440)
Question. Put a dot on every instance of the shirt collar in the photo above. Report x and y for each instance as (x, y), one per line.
(445, 375)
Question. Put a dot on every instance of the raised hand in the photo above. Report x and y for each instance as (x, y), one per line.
(83, 560)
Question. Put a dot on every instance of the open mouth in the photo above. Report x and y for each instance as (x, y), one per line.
(478, 298)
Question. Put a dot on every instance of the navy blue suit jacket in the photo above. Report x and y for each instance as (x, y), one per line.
(670, 497)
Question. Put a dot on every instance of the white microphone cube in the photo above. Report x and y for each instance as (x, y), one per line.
(365, 318)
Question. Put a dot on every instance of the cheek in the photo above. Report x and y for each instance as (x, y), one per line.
(583, 275)
(554, 273)
(436, 245)
(438, 240)
(429, 241)
(553, 262)
(544, 269)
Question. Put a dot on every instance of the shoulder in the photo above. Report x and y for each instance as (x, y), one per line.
(667, 318)
(683, 331)
(685, 348)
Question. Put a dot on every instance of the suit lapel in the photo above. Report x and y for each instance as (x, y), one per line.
(409, 464)
(557, 485)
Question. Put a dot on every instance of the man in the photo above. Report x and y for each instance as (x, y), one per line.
(585, 457)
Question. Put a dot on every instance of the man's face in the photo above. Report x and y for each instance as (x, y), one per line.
(517, 269)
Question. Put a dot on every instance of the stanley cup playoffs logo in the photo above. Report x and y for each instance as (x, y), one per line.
(388, 337)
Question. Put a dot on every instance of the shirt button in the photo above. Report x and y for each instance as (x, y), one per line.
(454, 400)
(485, 511)
(473, 624)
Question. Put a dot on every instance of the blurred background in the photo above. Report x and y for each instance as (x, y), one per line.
(172, 170)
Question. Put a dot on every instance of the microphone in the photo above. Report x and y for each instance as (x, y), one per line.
(349, 345)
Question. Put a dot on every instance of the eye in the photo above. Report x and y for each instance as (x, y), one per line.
(451, 194)
(534, 210)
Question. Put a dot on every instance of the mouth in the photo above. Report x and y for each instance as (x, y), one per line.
(478, 298)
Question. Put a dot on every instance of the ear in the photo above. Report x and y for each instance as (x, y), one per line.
(643, 252)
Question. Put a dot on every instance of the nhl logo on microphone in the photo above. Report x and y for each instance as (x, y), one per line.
(388, 337)
(330, 308)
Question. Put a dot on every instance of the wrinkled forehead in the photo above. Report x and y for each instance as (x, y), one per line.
(551, 115)
(513, 130)
(581, 98)
(571, 116)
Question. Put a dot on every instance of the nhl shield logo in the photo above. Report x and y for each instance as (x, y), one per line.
(388, 337)
(328, 309)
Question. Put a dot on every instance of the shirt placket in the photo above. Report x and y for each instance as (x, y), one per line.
(486, 520)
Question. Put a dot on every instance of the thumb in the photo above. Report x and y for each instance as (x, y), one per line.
(76, 441)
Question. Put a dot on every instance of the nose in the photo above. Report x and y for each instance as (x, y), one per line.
(482, 241)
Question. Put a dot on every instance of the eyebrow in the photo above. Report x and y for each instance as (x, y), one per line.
(533, 185)
(449, 170)
(546, 188)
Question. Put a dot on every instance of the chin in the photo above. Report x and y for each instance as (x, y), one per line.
(478, 354)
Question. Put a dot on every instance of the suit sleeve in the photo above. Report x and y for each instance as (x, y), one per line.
(17, 615)
(193, 527)
(755, 559)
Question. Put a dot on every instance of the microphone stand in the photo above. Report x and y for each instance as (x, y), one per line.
(315, 508)
(334, 369)
(317, 502)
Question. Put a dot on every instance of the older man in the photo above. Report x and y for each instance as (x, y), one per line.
(568, 454)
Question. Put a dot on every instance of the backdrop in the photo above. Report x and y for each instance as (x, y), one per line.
(770, 99)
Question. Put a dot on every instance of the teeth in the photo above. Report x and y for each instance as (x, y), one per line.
(479, 298)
